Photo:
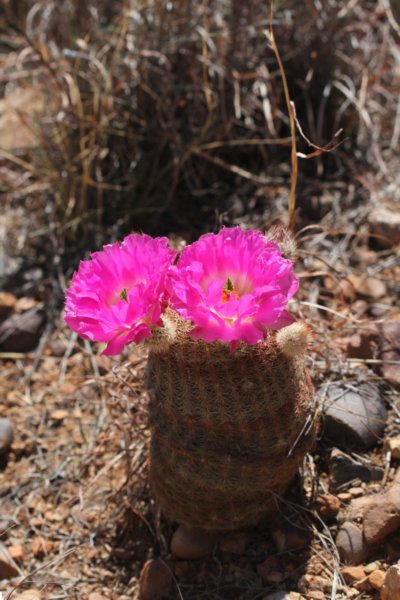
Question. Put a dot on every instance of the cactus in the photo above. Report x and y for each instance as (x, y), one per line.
(229, 429)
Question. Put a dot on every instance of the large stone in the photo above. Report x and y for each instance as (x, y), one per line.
(351, 544)
(21, 332)
(345, 469)
(382, 515)
(391, 584)
(354, 415)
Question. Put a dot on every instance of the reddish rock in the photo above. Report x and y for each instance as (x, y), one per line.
(155, 580)
(190, 544)
(327, 506)
(352, 574)
(389, 350)
(391, 584)
(7, 304)
(17, 552)
(8, 569)
(376, 579)
(41, 547)
(358, 506)
(382, 516)
(351, 544)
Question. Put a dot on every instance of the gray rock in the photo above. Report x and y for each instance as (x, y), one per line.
(351, 544)
(354, 414)
(343, 469)
(21, 333)
(6, 435)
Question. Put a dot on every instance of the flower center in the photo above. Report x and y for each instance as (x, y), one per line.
(228, 291)
(124, 294)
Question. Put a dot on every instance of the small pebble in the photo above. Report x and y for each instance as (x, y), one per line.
(155, 580)
(327, 505)
(190, 544)
(6, 435)
(352, 574)
(356, 492)
(7, 304)
(345, 496)
(59, 415)
(29, 595)
(17, 552)
(41, 547)
(393, 445)
(235, 543)
(376, 579)
(316, 595)
(268, 566)
(370, 567)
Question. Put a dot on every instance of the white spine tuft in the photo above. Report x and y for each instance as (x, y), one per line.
(294, 339)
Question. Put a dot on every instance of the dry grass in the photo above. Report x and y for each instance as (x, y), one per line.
(159, 116)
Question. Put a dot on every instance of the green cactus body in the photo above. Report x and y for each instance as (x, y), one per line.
(229, 429)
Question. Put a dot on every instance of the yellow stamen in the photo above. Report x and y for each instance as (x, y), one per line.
(124, 295)
(229, 291)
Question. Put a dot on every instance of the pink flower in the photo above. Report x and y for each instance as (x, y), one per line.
(233, 286)
(117, 295)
